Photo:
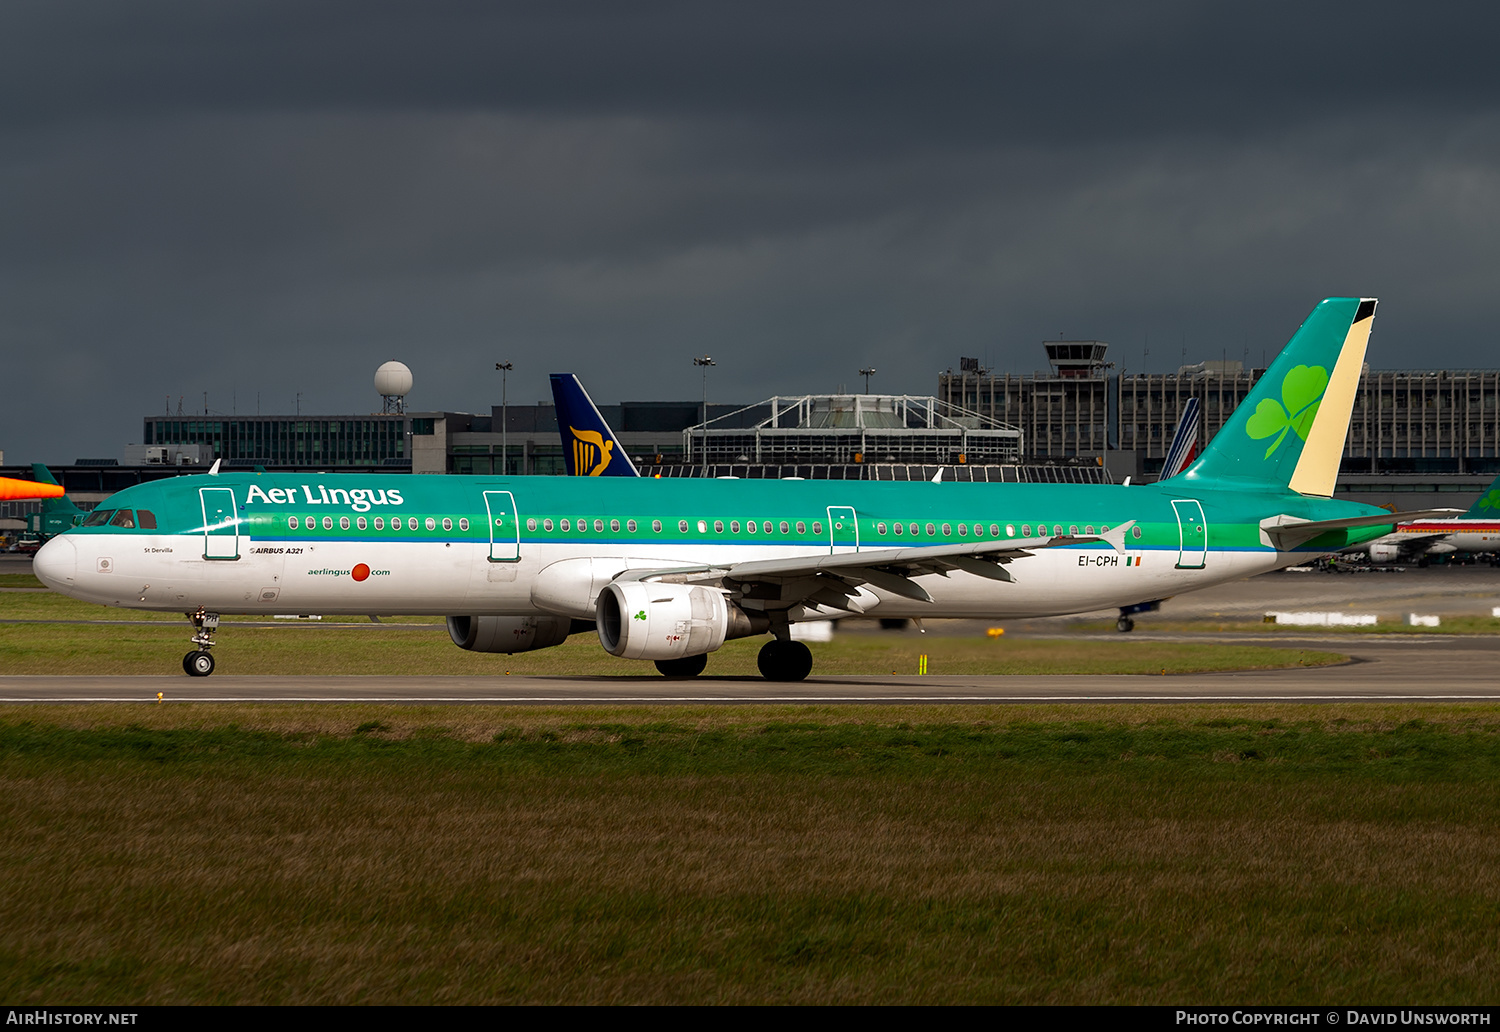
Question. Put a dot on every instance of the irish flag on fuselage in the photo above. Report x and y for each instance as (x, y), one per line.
(1289, 432)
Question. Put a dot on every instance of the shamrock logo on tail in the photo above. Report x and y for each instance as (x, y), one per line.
(1301, 392)
(1490, 501)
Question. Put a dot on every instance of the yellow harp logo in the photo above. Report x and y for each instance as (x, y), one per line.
(589, 448)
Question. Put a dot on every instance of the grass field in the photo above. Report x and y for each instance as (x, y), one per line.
(1135, 854)
(51, 634)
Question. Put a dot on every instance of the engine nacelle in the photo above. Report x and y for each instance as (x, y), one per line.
(508, 633)
(1385, 553)
(640, 620)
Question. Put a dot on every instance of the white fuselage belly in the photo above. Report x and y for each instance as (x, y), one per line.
(448, 578)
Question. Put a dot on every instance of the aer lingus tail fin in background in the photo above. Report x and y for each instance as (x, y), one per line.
(1289, 431)
(1488, 505)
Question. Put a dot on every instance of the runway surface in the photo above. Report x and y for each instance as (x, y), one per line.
(1385, 668)
(1388, 669)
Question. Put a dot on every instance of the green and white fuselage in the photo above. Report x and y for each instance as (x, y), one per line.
(669, 570)
(269, 543)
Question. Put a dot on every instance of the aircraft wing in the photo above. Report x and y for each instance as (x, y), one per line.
(831, 580)
(1285, 532)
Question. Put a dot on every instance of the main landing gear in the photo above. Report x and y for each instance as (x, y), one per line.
(686, 666)
(200, 663)
(784, 660)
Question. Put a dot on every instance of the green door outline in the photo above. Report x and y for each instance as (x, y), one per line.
(843, 529)
(1192, 531)
(221, 527)
(505, 527)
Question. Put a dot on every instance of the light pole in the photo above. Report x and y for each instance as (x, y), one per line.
(704, 362)
(867, 373)
(505, 368)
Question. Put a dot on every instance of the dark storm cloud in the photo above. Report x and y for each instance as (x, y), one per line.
(272, 198)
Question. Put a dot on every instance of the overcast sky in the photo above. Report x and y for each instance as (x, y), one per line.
(260, 199)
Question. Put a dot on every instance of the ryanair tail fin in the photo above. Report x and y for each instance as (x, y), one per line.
(590, 447)
(1289, 431)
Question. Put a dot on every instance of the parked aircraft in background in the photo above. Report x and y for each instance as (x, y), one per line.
(58, 511)
(670, 569)
(1477, 530)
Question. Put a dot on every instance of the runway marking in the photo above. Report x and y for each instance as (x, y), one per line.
(752, 700)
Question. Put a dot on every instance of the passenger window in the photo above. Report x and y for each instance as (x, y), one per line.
(750, 526)
(379, 522)
(880, 529)
(703, 526)
(913, 529)
(530, 524)
(448, 524)
(766, 526)
(1088, 529)
(343, 523)
(327, 522)
(947, 530)
(1073, 529)
(898, 528)
(411, 523)
(1010, 530)
(1026, 530)
(566, 526)
(718, 526)
(963, 529)
(547, 525)
(630, 525)
(463, 523)
(931, 530)
(656, 526)
(784, 527)
(801, 527)
(293, 522)
(360, 523)
(1135, 532)
(614, 526)
(1057, 530)
(682, 526)
(734, 526)
(146, 518)
(432, 524)
(979, 530)
(817, 526)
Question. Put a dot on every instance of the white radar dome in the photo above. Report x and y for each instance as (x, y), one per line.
(393, 380)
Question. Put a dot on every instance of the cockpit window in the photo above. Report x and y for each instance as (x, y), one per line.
(124, 518)
(98, 518)
(145, 519)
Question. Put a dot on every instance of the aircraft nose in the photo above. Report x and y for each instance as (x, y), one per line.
(56, 563)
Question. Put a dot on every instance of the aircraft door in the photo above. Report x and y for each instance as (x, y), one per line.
(843, 529)
(221, 526)
(1192, 531)
(505, 526)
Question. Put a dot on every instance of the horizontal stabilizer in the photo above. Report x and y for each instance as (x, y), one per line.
(1285, 532)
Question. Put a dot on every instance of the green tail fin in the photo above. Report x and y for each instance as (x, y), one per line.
(1289, 431)
(42, 475)
(1488, 506)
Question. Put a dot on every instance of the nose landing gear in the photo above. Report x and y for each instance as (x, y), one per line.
(200, 662)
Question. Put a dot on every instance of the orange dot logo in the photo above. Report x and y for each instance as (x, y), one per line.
(360, 572)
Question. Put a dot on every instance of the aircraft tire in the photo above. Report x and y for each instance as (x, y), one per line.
(1124, 625)
(198, 664)
(687, 666)
(784, 661)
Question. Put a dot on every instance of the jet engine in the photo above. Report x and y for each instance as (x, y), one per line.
(509, 633)
(1385, 553)
(640, 620)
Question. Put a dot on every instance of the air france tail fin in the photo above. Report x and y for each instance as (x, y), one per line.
(1289, 431)
(590, 447)
(1488, 506)
(1184, 447)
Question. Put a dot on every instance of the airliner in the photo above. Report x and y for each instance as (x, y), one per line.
(1477, 530)
(668, 570)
